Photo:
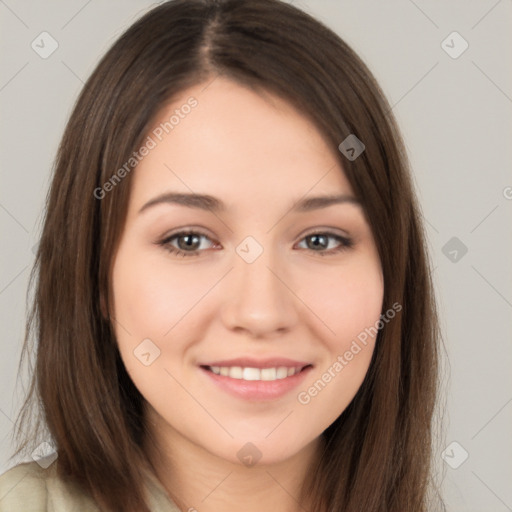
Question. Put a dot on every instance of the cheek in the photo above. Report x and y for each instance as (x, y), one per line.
(347, 301)
(149, 301)
(151, 296)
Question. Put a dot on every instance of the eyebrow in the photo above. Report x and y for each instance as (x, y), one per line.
(207, 202)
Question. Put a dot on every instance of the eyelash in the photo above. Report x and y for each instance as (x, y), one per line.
(345, 243)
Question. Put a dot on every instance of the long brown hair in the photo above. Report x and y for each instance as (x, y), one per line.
(377, 454)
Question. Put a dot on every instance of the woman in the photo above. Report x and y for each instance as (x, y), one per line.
(233, 305)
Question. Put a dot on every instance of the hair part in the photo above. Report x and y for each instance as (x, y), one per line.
(377, 454)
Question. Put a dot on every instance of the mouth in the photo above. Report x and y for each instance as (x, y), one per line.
(249, 373)
(257, 381)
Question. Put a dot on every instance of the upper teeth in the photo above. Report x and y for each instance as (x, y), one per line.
(237, 372)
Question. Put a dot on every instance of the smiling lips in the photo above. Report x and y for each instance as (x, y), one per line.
(257, 380)
(248, 373)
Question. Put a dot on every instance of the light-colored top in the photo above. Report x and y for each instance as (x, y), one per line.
(29, 487)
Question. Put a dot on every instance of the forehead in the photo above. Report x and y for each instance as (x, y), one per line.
(226, 140)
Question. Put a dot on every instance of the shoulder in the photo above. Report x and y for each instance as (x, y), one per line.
(23, 488)
(29, 486)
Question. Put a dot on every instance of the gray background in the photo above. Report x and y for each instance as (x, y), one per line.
(455, 114)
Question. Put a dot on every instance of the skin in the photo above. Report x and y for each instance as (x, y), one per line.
(258, 155)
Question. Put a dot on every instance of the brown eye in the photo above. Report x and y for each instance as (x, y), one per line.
(185, 243)
(322, 243)
(190, 242)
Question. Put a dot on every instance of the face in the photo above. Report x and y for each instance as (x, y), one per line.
(237, 313)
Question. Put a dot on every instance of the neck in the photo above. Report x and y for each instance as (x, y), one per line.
(198, 480)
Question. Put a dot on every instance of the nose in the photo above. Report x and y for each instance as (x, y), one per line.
(259, 298)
